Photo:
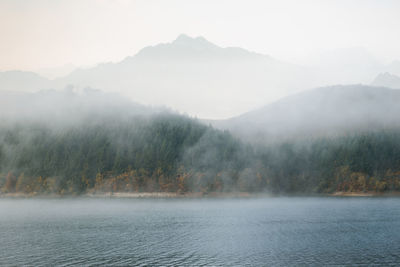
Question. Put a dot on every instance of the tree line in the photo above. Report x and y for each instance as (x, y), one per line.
(174, 153)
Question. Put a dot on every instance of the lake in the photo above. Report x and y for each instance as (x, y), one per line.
(200, 232)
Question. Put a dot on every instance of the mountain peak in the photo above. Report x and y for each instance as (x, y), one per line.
(197, 48)
(183, 38)
(197, 42)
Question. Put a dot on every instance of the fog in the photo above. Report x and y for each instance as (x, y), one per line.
(199, 133)
(111, 30)
(142, 103)
(68, 107)
(143, 124)
(326, 111)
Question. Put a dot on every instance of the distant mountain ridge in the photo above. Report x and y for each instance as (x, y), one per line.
(192, 75)
(185, 47)
(195, 76)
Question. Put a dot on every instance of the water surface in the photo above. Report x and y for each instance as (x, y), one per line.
(201, 232)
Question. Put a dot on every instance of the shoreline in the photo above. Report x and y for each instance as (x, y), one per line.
(170, 195)
(173, 195)
(365, 194)
(139, 195)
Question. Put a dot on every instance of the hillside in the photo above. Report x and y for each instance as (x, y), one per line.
(326, 111)
(70, 143)
(387, 80)
(18, 81)
(93, 142)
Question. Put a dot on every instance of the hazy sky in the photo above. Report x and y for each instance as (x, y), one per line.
(50, 33)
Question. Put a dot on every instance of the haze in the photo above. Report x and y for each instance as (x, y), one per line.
(47, 34)
(299, 46)
(199, 133)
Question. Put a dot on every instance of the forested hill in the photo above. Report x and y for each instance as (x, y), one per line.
(141, 154)
(326, 111)
(74, 143)
(95, 142)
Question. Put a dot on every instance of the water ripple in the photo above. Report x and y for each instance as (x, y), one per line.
(262, 232)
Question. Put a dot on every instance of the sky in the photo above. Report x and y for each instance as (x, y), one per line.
(42, 34)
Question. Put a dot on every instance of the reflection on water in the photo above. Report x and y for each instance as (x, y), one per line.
(228, 232)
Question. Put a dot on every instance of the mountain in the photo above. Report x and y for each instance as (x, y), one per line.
(198, 48)
(22, 81)
(195, 76)
(388, 80)
(326, 111)
(200, 78)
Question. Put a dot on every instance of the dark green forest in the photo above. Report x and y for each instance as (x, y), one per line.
(174, 153)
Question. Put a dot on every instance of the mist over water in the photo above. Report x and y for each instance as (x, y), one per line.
(196, 232)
